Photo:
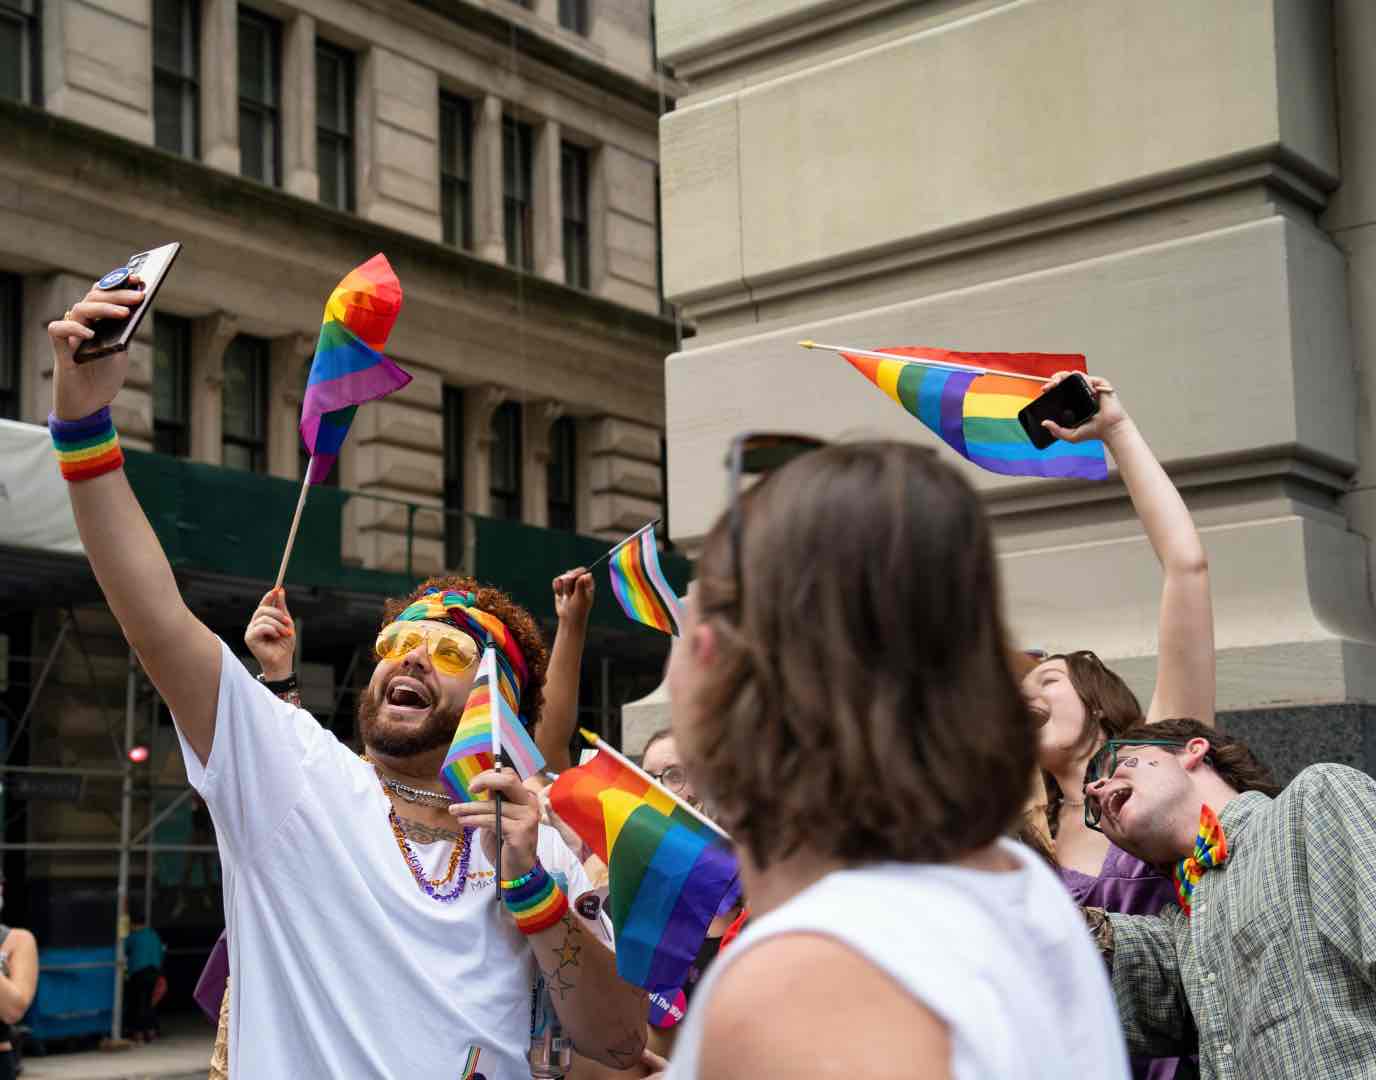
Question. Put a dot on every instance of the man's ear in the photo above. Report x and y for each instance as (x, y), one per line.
(1196, 750)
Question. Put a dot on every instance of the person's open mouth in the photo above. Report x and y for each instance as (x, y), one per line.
(1114, 801)
(407, 697)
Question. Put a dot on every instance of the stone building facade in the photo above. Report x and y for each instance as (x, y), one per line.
(1184, 192)
(502, 154)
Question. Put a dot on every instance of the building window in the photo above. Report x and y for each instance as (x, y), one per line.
(171, 385)
(260, 98)
(516, 191)
(456, 170)
(453, 477)
(505, 483)
(573, 170)
(563, 475)
(176, 75)
(245, 404)
(573, 15)
(9, 347)
(334, 124)
(19, 50)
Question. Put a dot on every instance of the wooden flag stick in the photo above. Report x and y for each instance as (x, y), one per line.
(605, 747)
(945, 365)
(620, 543)
(295, 523)
(494, 691)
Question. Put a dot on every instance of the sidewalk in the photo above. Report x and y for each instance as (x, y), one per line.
(183, 1053)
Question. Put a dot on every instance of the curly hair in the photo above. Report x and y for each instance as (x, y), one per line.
(861, 664)
(517, 619)
(1230, 757)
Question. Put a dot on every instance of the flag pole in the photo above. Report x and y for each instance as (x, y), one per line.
(620, 543)
(295, 522)
(494, 690)
(945, 365)
(593, 738)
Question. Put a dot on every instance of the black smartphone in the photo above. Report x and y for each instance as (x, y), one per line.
(114, 335)
(1070, 404)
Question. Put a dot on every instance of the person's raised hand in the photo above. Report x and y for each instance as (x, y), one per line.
(573, 595)
(271, 635)
(81, 389)
(520, 820)
(1102, 424)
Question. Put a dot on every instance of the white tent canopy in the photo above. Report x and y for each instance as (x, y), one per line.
(34, 509)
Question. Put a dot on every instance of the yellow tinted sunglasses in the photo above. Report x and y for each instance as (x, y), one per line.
(451, 651)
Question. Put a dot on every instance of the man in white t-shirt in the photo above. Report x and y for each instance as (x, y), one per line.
(367, 935)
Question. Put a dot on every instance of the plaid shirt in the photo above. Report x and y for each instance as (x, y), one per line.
(1277, 968)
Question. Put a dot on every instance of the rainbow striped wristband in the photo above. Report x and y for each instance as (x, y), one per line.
(86, 448)
(535, 900)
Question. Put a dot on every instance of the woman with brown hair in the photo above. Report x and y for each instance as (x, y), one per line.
(842, 698)
(1085, 703)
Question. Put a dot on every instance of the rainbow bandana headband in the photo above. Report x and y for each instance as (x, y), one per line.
(1210, 850)
(461, 610)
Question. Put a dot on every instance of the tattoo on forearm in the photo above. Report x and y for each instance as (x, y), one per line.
(625, 1052)
(565, 957)
(421, 833)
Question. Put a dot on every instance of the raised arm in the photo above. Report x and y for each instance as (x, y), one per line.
(19, 982)
(1185, 644)
(1145, 970)
(573, 596)
(180, 654)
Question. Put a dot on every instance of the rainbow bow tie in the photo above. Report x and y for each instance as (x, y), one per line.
(1210, 850)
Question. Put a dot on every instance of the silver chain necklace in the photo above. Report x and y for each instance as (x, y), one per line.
(415, 795)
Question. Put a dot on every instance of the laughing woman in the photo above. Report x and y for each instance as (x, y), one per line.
(1085, 704)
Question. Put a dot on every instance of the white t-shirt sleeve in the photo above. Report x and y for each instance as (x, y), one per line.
(256, 772)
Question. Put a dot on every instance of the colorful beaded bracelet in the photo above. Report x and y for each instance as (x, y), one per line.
(86, 448)
(536, 902)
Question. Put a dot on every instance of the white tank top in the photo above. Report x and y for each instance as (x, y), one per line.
(1003, 959)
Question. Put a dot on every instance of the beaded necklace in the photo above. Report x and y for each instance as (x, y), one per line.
(458, 859)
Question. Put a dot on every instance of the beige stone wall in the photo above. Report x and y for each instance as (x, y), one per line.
(1169, 188)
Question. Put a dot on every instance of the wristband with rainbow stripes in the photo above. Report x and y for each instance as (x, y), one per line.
(86, 448)
(535, 900)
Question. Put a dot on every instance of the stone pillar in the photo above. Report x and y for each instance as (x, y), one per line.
(220, 85)
(489, 236)
(624, 482)
(289, 363)
(210, 336)
(622, 228)
(479, 403)
(397, 148)
(299, 172)
(98, 65)
(548, 203)
(538, 420)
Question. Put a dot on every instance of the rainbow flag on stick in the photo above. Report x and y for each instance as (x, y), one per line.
(488, 727)
(671, 870)
(639, 584)
(972, 400)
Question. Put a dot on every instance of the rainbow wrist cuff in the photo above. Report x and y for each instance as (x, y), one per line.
(86, 448)
(535, 900)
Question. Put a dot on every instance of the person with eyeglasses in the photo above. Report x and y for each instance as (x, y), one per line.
(842, 698)
(1084, 702)
(1268, 964)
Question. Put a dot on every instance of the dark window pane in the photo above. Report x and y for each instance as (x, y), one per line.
(171, 382)
(251, 161)
(573, 167)
(9, 347)
(244, 403)
(516, 188)
(18, 49)
(505, 461)
(176, 94)
(456, 161)
(562, 475)
(334, 108)
(259, 81)
(573, 15)
(453, 477)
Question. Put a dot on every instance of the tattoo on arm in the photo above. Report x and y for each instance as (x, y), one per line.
(625, 1052)
(421, 833)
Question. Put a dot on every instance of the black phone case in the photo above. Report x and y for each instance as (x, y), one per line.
(1070, 404)
(114, 335)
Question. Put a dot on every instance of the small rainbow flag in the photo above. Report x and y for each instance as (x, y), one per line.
(977, 415)
(669, 873)
(488, 725)
(349, 367)
(639, 583)
(470, 1064)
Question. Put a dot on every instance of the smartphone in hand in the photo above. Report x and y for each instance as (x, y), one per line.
(114, 335)
(1070, 403)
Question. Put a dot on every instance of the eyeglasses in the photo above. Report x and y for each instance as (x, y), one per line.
(1104, 764)
(673, 778)
(451, 651)
(755, 453)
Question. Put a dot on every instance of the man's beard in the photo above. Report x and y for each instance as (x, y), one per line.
(438, 730)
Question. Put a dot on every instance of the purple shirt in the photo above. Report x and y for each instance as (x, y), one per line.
(1129, 886)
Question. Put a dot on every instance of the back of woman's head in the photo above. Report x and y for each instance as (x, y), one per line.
(859, 703)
